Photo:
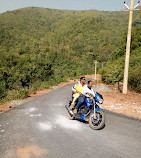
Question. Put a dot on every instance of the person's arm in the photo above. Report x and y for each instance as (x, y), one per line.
(93, 93)
(73, 88)
(90, 92)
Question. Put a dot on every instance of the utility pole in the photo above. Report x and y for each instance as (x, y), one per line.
(95, 68)
(126, 68)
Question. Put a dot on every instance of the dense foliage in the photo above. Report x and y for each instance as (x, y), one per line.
(41, 47)
(114, 69)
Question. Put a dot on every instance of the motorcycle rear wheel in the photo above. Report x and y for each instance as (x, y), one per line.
(99, 122)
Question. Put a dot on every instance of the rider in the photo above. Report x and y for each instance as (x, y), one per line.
(87, 89)
(88, 92)
(77, 94)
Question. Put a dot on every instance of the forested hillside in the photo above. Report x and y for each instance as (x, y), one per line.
(41, 47)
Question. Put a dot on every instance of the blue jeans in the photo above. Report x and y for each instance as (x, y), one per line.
(80, 101)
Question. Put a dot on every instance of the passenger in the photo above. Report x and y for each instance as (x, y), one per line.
(77, 94)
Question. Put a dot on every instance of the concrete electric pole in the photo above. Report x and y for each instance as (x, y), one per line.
(126, 68)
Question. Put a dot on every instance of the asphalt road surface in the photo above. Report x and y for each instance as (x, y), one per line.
(41, 129)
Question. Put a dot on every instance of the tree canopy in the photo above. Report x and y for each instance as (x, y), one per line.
(41, 47)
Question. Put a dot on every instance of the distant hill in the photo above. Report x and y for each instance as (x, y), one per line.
(40, 47)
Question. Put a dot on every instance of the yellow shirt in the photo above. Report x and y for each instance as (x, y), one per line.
(79, 88)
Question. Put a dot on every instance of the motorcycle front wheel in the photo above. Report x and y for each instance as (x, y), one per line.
(99, 122)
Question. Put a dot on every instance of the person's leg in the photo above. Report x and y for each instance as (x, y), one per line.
(80, 101)
(75, 97)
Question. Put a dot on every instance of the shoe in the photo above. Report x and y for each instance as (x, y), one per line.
(75, 111)
(71, 106)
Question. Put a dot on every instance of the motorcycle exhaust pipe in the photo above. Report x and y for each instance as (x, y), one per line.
(69, 110)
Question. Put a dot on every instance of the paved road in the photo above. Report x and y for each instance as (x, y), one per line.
(40, 129)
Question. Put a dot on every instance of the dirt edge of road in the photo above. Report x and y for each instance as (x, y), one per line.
(11, 104)
(129, 105)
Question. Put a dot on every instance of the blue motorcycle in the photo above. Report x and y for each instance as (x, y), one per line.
(90, 111)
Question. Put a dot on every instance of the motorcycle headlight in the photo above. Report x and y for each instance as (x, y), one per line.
(101, 101)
